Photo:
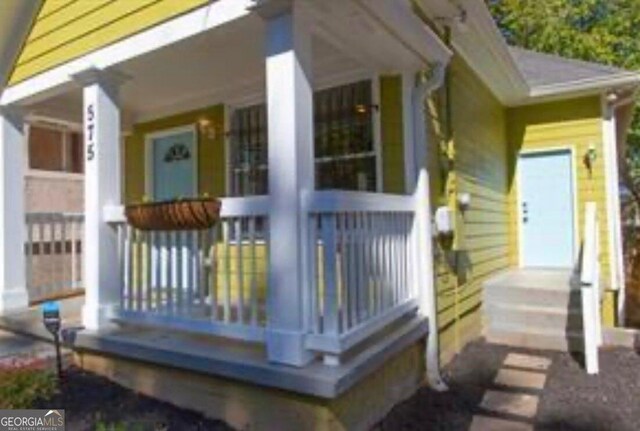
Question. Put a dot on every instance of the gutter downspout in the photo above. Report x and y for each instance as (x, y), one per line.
(610, 117)
(423, 90)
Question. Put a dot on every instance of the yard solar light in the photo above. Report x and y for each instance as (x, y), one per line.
(52, 321)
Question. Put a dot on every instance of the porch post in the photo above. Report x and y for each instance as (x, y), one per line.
(13, 287)
(101, 118)
(291, 174)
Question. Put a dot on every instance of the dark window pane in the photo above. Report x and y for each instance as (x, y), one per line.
(76, 148)
(344, 145)
(249, 173)
(46, 149)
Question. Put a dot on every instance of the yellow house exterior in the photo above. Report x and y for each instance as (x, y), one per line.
(383, 154)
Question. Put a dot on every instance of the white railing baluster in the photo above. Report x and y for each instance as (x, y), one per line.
(227, 231)
(314, 277)
(121, 262)
(146, 271)
(342, 269)
(161, 274)
(376, 262)
(352, 278)
(254, 271)
(138, 270)
(366, 267)
(328, 234)
(239, 270)
(196, 269)
(74, 258)
(171, 270)
(213, 273)
(128, 273)
(29, 254)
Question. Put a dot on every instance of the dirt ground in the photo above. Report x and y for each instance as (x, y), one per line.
(570, 401)
(93, 403)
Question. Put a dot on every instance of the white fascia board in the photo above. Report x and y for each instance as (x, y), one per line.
(479, 42)
(587, 85)
(575, 89)
(200, 20)
(400, 22)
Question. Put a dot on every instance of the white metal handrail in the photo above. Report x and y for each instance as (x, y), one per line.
(590, 288)
(210, 281)
(361, 250)
(53, 254)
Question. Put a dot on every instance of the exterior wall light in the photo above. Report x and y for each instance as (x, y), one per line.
(590, 157)
(464, 201)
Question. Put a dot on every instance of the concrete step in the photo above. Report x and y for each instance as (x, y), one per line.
(563, 298)
(556, 319)
(535, 278)
(536, 339)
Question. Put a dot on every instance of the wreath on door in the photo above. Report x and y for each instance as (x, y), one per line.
(176, 153)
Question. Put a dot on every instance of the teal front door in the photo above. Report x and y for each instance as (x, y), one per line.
(547, 210)
(173, 157)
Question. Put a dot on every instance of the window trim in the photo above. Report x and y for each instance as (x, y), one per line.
(149, 174)
(375, 122)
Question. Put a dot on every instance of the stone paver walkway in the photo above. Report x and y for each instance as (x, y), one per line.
(513, 402)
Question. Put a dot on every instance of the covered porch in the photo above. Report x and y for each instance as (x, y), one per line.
(305, 118)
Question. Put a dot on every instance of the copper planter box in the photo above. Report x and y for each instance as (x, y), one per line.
(187, 214)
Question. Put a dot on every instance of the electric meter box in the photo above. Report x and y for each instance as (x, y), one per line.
(444, 221)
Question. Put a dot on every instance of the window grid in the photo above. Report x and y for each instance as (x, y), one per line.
(345, 155)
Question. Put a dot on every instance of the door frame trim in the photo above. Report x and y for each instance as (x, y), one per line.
(148, 156)
(574, 189)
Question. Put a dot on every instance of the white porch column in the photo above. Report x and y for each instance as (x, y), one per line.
(101, 117)
(291, 174)
(13, 287)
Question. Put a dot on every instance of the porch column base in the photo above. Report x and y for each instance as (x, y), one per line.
(13, 300)
(287, 347)
(98, 316)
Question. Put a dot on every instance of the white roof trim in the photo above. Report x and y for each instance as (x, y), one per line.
(587, 85)
(202, 19)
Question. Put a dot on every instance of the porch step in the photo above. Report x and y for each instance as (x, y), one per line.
(557, 291)
(526, 317)
(537, 309)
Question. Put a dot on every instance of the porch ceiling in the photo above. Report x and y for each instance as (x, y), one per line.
(227, 65)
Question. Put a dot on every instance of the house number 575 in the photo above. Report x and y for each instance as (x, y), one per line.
(91, 116)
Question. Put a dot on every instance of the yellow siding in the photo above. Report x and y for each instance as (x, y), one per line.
(478, 151)
(211, 151)
(575, 124)
(65, 29)
(391, 125)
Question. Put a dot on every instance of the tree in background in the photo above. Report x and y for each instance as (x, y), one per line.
(603, 31)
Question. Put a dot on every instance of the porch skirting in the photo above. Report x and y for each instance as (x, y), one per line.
(248, 392)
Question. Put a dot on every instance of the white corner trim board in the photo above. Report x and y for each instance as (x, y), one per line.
(200, 20)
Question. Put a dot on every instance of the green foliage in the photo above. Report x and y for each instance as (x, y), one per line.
(22, 385)
(603, 31)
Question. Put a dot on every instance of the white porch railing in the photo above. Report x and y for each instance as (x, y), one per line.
(53, 254)
(212, 281)
(590, 288)
(361, 252)
(362, 264)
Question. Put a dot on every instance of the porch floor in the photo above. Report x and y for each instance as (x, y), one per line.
(247, 361)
